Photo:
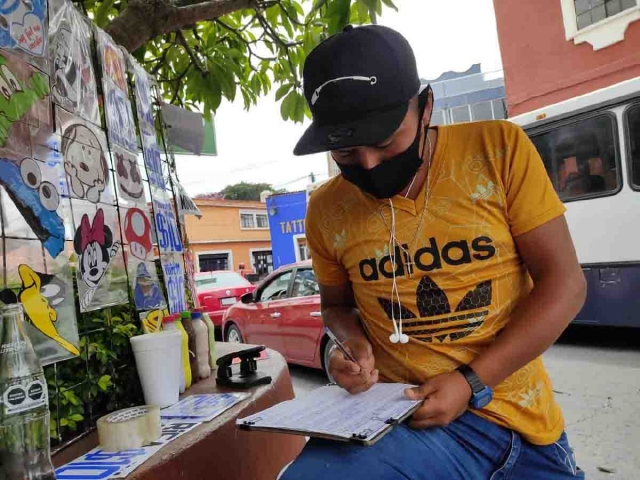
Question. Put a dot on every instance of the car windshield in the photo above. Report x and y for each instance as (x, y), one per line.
(221, 280)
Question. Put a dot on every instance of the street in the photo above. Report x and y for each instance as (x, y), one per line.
(596, 377)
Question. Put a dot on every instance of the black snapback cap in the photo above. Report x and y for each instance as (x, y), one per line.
(358, 84)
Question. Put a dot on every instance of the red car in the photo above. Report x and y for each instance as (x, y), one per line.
(218, 290)
(283, 314)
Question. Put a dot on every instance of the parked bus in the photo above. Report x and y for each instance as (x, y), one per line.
(590, 146)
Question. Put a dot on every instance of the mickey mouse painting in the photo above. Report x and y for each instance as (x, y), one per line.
(95, 246)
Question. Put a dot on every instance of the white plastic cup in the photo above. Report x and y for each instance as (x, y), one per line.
(158, 362)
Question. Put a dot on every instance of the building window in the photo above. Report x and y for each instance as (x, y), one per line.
(499, 109)
(599, 22)
(438, 118)
(581, 158)
(481, 111)
(301, 248)
(213, 262)
(253, 221)
(263, 263)
(589, 12)
(262, 221)
(633, 140)
(461, 114)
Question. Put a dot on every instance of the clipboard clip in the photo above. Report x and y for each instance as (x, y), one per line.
(249, 375)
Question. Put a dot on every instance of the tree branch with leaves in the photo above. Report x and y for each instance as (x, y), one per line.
(204, 51)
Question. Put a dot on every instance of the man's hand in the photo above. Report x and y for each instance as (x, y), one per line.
(446, 397)
(354, 377)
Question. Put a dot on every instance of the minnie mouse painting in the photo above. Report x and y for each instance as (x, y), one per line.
(96, 249)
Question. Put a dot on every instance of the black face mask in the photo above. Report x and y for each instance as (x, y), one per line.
(391, 176)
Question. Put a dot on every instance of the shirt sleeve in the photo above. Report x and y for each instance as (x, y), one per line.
(531, 199)
(326, 266)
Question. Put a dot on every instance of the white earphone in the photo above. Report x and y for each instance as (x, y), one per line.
(397, 335)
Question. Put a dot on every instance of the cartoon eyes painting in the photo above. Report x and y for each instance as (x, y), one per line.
(8, 83)
(32, 177)
(84, 162)
(36, 200)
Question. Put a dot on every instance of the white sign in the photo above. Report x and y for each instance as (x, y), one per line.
(174, 281)
(169, 239)
(186, 206)
(99, 465)
(201, 408)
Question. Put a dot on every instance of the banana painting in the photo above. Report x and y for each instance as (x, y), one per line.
(37, 294)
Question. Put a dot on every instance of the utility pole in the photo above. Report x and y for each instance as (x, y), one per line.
(312, 177)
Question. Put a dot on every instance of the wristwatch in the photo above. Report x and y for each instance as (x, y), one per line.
(481, 394)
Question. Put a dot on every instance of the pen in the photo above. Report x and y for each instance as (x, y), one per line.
(338, 344)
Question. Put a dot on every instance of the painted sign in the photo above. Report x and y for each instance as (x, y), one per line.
(147, 293)
(186, 206)
(100, 465)
(128, 175)
(24, 96)
(44, 286)
(137, 232)
(97, 249)
(23, 26)
(36, 198)
(113, 66)
(144, 101)
(73, 81)
(169, 240)
(120, 123)
(174, 282)
(83, 148)
(153, 161)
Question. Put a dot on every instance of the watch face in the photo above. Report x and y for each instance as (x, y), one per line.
(482, 398)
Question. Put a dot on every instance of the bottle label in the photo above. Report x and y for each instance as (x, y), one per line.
(21, 398)
(13, 347)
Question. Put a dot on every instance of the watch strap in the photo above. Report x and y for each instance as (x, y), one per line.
(472, 378)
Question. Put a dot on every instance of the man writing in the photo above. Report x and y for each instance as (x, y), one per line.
(444, 261)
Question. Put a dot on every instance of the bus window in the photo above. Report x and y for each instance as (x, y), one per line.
(633, 132)
(580, 158)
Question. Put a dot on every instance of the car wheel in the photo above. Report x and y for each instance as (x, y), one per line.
(325, 359)
(233, 335)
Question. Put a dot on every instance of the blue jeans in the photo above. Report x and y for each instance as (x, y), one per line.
(470, 448)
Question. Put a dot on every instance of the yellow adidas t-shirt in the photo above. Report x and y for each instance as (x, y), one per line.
(463, 276)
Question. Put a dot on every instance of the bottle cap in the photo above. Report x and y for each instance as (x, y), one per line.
(196, 315)
(170, 318)
(185, 316)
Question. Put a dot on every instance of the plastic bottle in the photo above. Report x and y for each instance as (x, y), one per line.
(202, 345)
(212, 338)
(188, 327)
(169, 324)
(24, 405)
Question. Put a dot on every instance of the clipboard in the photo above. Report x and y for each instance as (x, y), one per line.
(363, 418)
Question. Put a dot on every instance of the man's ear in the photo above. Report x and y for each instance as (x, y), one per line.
(428, 108)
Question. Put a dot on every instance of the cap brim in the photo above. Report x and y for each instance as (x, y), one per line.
(371, 130)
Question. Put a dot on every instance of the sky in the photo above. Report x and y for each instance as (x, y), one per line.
(257, 145)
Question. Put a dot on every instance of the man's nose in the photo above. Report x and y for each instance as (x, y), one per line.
(368, 157)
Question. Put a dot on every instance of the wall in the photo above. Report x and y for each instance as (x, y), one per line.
(221, 221)
(219, 231)
(541, 67)
(289, 211)
(239, 252)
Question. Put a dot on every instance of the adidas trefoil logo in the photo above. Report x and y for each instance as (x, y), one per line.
(483, 192)
(433, 302)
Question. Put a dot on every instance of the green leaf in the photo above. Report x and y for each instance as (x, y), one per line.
(283, 90)
(340, 13)
(390, 4)
(287, 106)
(76, 417)
(105, 382)
(102, 15)
(299, 108)
(64, 422)
(317, 6)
